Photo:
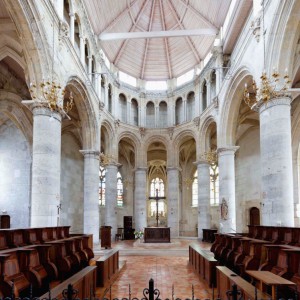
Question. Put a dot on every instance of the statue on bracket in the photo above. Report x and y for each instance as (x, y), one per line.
(224, 209)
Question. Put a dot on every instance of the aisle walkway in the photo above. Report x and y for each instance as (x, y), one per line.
(161, 263)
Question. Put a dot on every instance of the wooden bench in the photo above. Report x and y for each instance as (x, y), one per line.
(107, 267)
(83, 281)
(226, 278)
(204, 263)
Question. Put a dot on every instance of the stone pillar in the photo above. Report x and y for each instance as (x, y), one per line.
(140, 201)
(111, 218)
(197, 101)
(90, 61)
(201, 102)
(128, 117)
(208, 92)
(156, 115)
(203, 169)
(170, 113)
(82, 50)
(276, 163)
(72, 28)
(143, 114)
(184, 111)
(227, 188)
(91, 194)
(173, 201)
(46, 160)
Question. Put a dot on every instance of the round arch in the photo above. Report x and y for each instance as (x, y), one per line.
(88, 117)
(9, 104)
(230, 108)
(205, 129)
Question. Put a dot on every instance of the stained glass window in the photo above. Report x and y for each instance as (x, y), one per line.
(157, 184)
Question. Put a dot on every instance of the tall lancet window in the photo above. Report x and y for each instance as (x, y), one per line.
(102, 172)
(119, 190)
(157, 184)
(195, 190)
(214, 184)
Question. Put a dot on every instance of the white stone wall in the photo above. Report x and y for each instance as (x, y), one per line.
(71, 184)
(15, 164)
(248, 177)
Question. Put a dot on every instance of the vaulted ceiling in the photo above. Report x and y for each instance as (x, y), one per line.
(156, 39)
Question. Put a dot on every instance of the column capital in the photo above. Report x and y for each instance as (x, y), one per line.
(227, 150)
(262, 106)
(90, 153)
(38, 110)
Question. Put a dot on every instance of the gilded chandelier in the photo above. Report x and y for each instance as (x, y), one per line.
(53, 96)
(211, 157)
(269, 89)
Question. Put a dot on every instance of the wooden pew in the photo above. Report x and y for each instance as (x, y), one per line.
(83, 281)
(12, 277)
(226, 278)
(107, 267)
(203, 263)
(3, 240)
(31, 236)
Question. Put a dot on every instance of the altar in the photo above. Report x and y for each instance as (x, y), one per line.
(157, 235)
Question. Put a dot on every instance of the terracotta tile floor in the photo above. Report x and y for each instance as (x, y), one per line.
(164, 269)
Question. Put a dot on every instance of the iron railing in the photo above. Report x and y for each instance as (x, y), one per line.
(149, 293)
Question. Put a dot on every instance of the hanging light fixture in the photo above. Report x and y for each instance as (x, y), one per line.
(270, 87)
(51, 95)
(211, 157)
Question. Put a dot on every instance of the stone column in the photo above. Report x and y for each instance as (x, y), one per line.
(82, 50)
(201, 102)
(173, 201)
(90, 61)
(72, 28)
(276, 163)
(208, 92)
(197, 101)
(128, 117)
(111, 218)
(184, 111)
(46, 160)
(143, 114)
(156, 115)
(227, 188)
(140, 201)
(91, 194)
(203, 169)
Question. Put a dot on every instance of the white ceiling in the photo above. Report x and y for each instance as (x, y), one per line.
(143, 54)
